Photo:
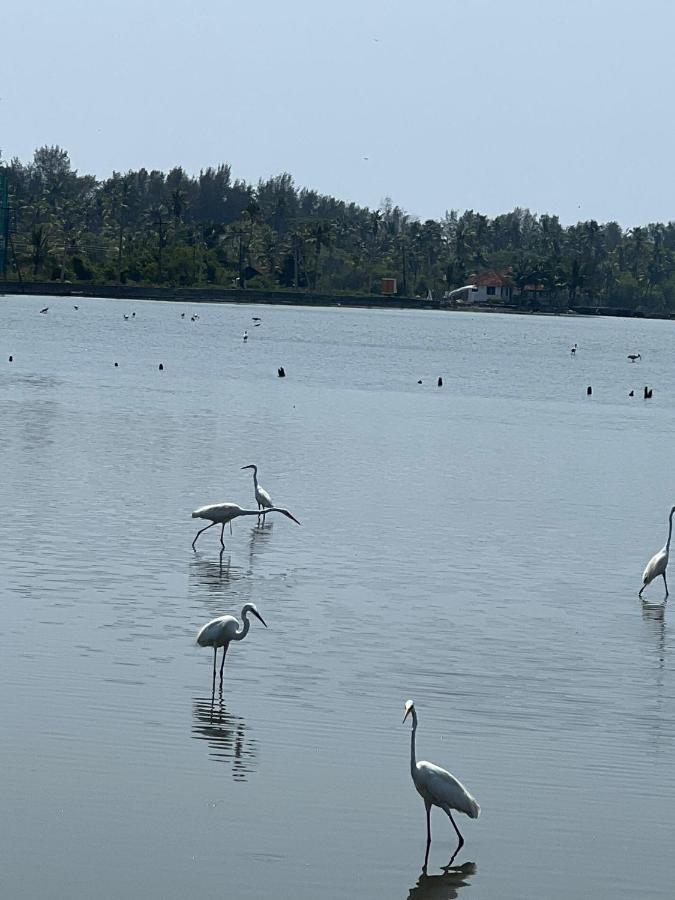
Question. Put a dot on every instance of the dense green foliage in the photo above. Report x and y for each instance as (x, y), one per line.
(174, 229)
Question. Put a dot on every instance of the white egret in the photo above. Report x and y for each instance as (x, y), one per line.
(438, 787)
(219, 632)
(573, 350)
(262, 498)
(245, 338)
(222, 513)
(658, 564)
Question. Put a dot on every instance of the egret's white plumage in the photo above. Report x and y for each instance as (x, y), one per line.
(263, 499)
(437, 787)
(222, 513)
(219, 632)
(658, 564)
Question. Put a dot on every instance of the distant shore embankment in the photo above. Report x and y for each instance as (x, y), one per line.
(289, 298)
(211, 295)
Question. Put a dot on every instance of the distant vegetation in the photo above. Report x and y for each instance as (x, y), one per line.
(175, 229)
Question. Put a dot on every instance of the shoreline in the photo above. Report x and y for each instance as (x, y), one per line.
(288, 298)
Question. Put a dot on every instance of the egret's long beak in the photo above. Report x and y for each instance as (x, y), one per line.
(409, 706)
(407, 713)
(286, 513)
(257, 614)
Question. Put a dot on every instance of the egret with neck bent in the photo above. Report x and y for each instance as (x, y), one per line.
(658, 564)
(222, 513)
(438, 787)
(262, 498)
(219, 632)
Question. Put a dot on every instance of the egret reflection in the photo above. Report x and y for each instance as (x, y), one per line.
(214, 574)
(444, 886)
(653, 615)
(259, 539)
(226, 735)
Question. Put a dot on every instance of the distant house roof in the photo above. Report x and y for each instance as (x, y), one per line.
(491, 279)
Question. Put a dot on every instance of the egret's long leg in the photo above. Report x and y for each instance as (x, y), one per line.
(666, 583)
(222, 665)
(213, 688)
(426, 859)
(454, 825)
(428, 806)
(222, 532)
(202, 532)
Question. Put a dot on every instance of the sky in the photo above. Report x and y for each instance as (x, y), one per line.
(561, 106)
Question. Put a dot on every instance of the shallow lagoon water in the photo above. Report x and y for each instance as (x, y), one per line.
(476, 547)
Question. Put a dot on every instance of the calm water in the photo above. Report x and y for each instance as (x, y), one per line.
(477, 547)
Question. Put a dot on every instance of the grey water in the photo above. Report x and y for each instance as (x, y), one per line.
(476, 547)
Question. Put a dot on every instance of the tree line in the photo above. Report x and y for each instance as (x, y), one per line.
(173, 228)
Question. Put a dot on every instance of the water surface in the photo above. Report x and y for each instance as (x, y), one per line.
(476, 547)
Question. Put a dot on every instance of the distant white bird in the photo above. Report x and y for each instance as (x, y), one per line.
(245, 335)
(658, 564)
(438, 787)
(263, 499)
(219, 632)
(222, 513)
(125, 315)
(573, 350)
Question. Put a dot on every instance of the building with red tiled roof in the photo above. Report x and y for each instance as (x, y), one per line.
(485, 288)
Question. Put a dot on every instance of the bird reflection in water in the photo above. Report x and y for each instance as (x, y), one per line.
(653, 615)
(260, 537)
(214, 574)
(225, 734)
(442, 887)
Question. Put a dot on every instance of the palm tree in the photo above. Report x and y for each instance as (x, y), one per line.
(39, 239)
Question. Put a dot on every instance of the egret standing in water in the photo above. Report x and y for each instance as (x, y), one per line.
(222, 513)
(219, 632)
(658, 564)
(438, 787)
(263, 499)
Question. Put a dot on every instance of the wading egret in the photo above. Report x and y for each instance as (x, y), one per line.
(262, 498)
(222, 513)
(219, 632)
(438, 787)
(658, 564)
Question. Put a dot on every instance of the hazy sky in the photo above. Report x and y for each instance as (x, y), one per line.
(562, 106)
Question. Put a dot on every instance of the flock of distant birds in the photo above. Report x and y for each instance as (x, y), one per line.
(436, 786)
(257, 322)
